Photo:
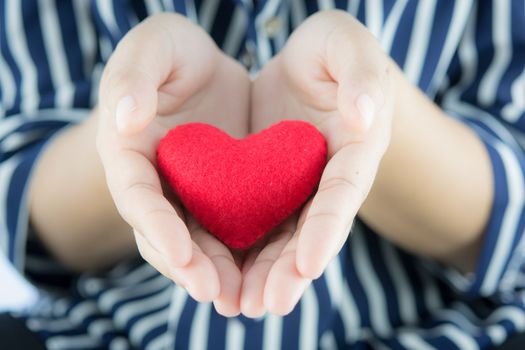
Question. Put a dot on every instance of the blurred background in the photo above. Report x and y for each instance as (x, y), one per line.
(15, 292)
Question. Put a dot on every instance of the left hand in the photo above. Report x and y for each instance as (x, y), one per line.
(332, 74)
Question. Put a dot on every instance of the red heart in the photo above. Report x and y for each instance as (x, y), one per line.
(241, 189)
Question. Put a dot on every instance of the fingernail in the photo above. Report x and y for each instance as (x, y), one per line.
(365, 106)
(125, 106)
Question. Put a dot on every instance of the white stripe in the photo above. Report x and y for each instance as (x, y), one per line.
(461, 339)
(404, 291)
(6, 172)
(99, 328)
(298, 12)
(43, 265)
(86, 34)
(325, 4)
(283, 33)
(71, 342)
(511, 218)
(146, 324)
(132, 309)
(273, 332)
(153, 7)
(235, 32)
(471, 112)
(515, 109)
(105, 9)
(468, 56)
(82, 311)
(391, 25)
(134, 275)
(413, 341)
(309, 319)
(119, 344)
(419, 40)
(200, 327)
(168, 5)
(113, 296)
(334, 282)
(9, 124)
(430, 292)
(162, 342)
(349, 315)
(497, 333)
(501, 39)
(328, 341)
(456, 316)
(7, 86)
(372, 286)
(353, 7)
(264, 50)
(96, 75)
(17, 140)
(235, 334)
(55, 53)
(60, 325)
(191, 11)
(208, 13)
(50, 114)
(460, 16)
(17, 43)
(511, 313)
(178, 300)
(374, 16)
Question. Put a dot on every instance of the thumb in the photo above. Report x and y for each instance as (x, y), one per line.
(360, 68)
(361, 96)
(137, 68)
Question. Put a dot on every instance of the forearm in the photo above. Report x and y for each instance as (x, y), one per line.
(70, 206)
(433, 192)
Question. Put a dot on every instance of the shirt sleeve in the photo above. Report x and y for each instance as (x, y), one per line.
(485, 89)
(49, 59)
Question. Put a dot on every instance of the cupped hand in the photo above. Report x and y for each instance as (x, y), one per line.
(333, 74)
(165, 72)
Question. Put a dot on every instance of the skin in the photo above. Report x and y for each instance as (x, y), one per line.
(375, 123)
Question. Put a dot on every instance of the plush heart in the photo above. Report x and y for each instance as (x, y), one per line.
(240, 189)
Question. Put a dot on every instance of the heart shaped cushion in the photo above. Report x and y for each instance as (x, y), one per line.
(241, 189)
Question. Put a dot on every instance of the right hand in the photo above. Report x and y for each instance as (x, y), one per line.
(167, 71)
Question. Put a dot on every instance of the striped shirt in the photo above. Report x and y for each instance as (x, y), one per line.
(468, 56)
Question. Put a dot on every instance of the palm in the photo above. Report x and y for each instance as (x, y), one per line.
(303, 82)
(187, 86)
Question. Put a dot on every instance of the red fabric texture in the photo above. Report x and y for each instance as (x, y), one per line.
(240, 189)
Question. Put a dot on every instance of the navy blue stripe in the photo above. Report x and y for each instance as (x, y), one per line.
(14, 195)
(438, 36)
(217, 331)
(184, 325)
(357, 289)
(9, 60)
(496, 216)
(383, 276)
(400, 43)
(291, 328)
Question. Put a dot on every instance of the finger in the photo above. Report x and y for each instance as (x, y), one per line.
(200, 275)
(256, 274)
(145, 60)
(344, 186)
(362, 78)
(284, 285)
(153, 257)
(128, 89)
(136, 189)
(230, 279)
